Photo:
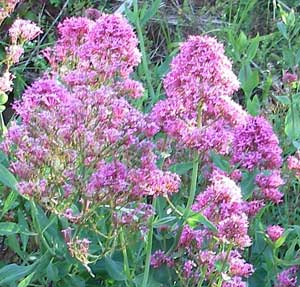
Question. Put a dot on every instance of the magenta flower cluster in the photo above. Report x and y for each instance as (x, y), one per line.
(198, 113)
(200, 82)
(275, 232)
(80, 139)
(221, 203)
(288, 277)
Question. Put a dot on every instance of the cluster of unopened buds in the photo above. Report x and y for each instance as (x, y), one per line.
(78, 248)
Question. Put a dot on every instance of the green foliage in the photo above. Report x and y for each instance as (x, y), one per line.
(40, 256)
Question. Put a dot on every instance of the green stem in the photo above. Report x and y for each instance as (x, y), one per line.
(193, 187)
(37, 226)
(224, 264)
(202, 278)
(173, 206)
(2, 125)
(143, 50)
(148, 249)
(125, 256)
(293, 115)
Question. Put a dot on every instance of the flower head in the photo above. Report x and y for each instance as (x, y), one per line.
(23, 30)
(256, 145)
(287, 278)
(275, 232)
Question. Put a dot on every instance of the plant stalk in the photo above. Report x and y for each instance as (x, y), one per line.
(143, 50)
(148, 249)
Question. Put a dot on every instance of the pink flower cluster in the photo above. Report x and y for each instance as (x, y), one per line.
(269, 185)
(198, 111)
(255, 145)
(293, 163)
(289, 78)
(287, 278)
(222, 204)
(22, 31)
(81, 140)
(159, 257)
(96, 52)
(274, 232)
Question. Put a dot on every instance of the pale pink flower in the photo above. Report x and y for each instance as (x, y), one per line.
(14, 52)
(23, 30)
(275, 232)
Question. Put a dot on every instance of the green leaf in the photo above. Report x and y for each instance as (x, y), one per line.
(296, 144)
(285, 100)
(297, 57)
(9, 202)
(3, 98)
(114, 269)
(163, 221)
(181, 168)
(14, 244)
(252, 49)
(48, 230)
(221, 266)
(19, 84)
(291, 18)
(290, 253)
(129, 14)
(198, 218)
(283, 30)
(220, 161)
(253, 106)
(296, 99)
(13, 272)
(150, 12)
(248, 184)
(138, 280)
(24, 226)
(292, 129)
(289, 57)
(8, 228)
(282, 239)
(267, 84)
(164, 67)
(52, 272)
(242, 41)
(7, 178)
(26, 281)
(288, 263)
(74, 281)
(249, 79)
